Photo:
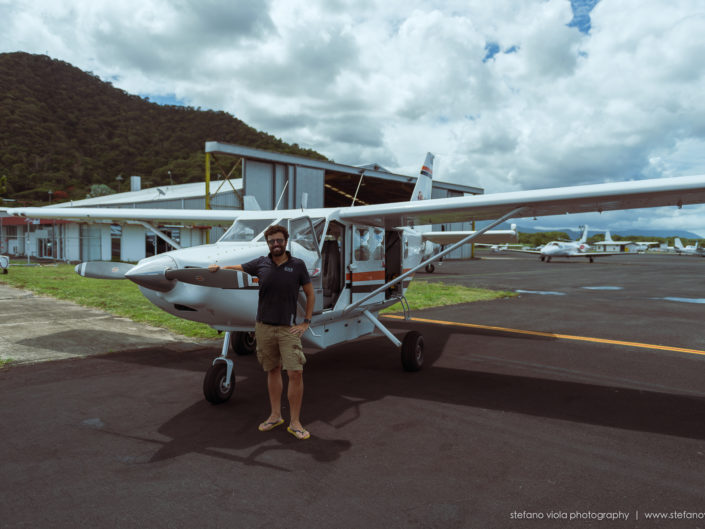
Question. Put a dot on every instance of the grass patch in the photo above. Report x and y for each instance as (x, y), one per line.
(123, 298)
(424, 295)
(118, 297)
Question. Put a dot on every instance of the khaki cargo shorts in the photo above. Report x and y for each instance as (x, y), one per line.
(276, 346)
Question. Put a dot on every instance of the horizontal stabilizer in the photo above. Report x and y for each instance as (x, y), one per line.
(204, 277)
(103, 269)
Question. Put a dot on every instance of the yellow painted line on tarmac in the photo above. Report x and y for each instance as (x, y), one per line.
(554, 335)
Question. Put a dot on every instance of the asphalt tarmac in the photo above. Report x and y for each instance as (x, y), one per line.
(578, 403)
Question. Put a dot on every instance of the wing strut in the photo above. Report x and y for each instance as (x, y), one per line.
(160, 234)
(381, 327)
(458, 244)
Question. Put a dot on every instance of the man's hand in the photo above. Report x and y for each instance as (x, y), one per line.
(214, 268)
(299, 329)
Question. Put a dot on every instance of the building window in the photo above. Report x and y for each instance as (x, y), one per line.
(115, 241)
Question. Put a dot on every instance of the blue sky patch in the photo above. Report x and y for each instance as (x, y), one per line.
(168, 99)
(581, 14)
(491, 49)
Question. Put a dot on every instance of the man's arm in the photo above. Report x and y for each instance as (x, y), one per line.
(215, 268)
(310, 302)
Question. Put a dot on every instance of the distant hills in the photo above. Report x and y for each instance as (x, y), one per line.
(64, 130)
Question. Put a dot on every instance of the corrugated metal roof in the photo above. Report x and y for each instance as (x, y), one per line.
(157, 194)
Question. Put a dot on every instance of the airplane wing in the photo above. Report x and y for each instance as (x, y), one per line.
(542, 202)
(489, 237)
(521, 250)
(188, 217)
(593, 254)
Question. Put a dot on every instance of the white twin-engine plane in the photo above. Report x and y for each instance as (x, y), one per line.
(361, 259)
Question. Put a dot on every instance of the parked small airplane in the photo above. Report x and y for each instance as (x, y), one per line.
(691, 249)
(361, 259)
(569, 249)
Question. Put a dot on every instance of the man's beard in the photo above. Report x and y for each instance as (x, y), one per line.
(277, 251)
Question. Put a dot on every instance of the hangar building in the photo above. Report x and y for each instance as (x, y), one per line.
(276, 181)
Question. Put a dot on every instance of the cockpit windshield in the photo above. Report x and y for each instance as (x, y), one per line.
(246, 230)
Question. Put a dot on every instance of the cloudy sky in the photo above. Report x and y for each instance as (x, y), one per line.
(509, 94)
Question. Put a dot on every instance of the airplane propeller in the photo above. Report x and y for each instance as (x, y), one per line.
(204, 277)
(103, 269)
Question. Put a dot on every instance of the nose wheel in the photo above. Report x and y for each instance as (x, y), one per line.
(217, 386)
(219, 382)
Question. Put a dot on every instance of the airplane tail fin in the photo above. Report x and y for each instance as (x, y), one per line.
(583, 239)
(608, 236)
(424, 183)
(677, 243)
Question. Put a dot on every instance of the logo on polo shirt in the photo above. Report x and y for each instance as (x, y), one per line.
(288, 269)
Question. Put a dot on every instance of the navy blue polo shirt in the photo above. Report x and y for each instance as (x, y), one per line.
(278, 288)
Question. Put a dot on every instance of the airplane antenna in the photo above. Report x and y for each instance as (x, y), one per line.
(282, 195)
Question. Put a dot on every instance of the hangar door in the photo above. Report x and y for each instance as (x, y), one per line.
(284, 184)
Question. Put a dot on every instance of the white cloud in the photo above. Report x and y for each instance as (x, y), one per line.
(386, 81)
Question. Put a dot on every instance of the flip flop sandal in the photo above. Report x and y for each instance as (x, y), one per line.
(269, 425)
(299, 434)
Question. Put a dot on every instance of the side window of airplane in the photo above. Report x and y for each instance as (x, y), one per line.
(306, 232)
(245, 230)
(377, 244)
(361, 244)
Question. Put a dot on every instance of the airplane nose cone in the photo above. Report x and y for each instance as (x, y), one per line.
(150, 274)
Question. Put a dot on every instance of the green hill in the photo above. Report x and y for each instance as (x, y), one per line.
(63, 129)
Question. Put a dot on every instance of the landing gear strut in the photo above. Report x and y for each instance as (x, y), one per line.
(219, 383)
(411, 347)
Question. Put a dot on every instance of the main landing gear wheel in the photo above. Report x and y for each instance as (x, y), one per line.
(243, 343)
(215, 384)
(412, 351)
(430, 268)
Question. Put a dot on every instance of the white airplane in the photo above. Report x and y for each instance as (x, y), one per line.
(361, 259)
(568, 249)
(691, 249)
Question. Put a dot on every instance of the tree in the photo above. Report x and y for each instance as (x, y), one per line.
(99, 190)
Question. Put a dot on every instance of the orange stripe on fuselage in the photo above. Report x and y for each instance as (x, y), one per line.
(374, 275)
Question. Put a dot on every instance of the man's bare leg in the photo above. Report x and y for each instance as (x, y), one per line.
(295, 393)
(275, 388)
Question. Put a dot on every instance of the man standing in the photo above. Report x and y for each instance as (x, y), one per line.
(278, 336)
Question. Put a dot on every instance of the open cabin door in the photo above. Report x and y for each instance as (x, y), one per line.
(367, 264)
(393, 259)
(304, 235)
(333, 264)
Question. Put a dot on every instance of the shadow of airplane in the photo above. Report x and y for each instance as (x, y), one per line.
(343, 378)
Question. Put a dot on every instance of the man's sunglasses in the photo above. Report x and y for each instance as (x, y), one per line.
(272, 242)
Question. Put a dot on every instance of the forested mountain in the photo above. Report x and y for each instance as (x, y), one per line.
(63, 130)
